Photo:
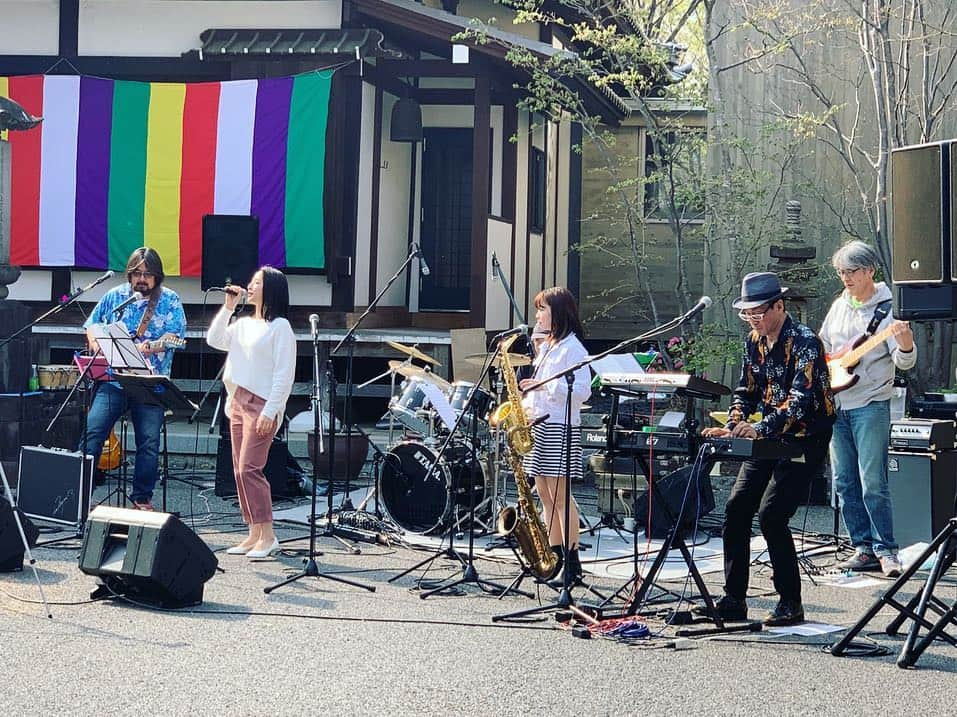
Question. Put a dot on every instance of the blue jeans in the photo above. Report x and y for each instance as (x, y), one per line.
(859, 463)
(109, 403)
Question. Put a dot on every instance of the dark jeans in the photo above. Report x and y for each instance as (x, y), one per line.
(109, 403)
(772, 489)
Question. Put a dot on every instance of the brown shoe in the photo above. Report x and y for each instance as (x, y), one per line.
(143, 505)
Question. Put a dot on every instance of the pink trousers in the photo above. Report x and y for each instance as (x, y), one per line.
(250, 452)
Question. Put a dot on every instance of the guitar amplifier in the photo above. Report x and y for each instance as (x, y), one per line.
(922, 434)
(55, 484)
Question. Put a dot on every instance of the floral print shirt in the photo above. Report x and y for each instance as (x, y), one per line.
(168, 318)
(787, 383)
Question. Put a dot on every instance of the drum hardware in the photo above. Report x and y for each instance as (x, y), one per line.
(428, 480)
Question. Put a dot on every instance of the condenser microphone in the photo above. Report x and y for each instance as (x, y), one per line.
(134, 297)
(520, 329)
(423, 267)
(99, 280)
(314, 324)
(494, 276)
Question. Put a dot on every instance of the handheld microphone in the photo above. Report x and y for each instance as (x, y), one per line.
(314, 324)
(232, 291)
(134, 297)
(520, 329)
(703, 303)
(99, 280)
(423, 267)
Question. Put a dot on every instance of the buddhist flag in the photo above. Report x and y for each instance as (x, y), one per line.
(117, 165)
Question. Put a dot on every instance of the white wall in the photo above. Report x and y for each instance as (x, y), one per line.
(498, 309)
(521, 214)
(29, 27)
(171, 27)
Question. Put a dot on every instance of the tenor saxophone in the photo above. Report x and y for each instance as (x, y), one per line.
(522, 521)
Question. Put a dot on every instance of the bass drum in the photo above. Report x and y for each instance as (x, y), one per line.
(428, 506)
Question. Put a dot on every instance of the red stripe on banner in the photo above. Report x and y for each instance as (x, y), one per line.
(25, 175)
(200, 114)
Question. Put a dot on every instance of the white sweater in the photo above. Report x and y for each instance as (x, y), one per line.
(843, 324)
(261, 357)
(550, 399)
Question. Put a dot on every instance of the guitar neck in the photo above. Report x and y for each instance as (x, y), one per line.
(852, 357)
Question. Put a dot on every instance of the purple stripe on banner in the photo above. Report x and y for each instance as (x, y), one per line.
(93, 172)
(270, 134)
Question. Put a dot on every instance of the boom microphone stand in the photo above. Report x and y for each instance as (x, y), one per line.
(350, 340)
(310, 567)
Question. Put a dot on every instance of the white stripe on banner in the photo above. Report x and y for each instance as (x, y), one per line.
(234, 147)
(61, 112)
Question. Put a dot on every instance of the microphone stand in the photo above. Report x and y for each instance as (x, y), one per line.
(349, 339)
(497, 269)
(310, 566)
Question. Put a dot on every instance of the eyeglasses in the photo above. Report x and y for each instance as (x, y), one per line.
(848, 272)
(143, 274)
(752, 316)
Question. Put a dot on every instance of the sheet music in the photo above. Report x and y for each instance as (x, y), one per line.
(439, 402)
(617, 363)
(118, 348)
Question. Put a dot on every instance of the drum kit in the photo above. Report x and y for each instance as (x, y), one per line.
(423, 409)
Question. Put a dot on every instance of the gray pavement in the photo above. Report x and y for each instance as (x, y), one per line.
(319, 646)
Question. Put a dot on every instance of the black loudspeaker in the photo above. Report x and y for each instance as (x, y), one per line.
(923, 488)
(147, 556)
(11, 542)
(679, 488)
(924, 229)
(281, 470)
(230, 249)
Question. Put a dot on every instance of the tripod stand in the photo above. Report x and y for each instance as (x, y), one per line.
(310, 567)
(470, 574)
(944, 548)
(23, 537)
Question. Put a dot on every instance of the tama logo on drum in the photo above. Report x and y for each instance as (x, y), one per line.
(426, 462)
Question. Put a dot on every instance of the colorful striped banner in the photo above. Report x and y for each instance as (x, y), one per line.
(117, 165)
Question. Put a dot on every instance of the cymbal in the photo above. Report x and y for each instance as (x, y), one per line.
(514, 359)
(410, 371)
(413, 352)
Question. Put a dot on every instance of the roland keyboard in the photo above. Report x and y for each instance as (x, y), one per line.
(748, 448)
(626, 441)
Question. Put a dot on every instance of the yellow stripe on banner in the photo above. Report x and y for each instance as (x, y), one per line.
(164, 166)
(4, 92)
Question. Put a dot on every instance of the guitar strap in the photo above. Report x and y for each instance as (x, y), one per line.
(880, 312)
(147, 315)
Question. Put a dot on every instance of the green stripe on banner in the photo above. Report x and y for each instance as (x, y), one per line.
(305, 176)
(131, 101)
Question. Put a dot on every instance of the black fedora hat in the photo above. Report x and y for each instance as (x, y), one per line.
(759, 287)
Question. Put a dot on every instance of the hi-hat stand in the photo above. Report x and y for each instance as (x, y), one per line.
(310, 566)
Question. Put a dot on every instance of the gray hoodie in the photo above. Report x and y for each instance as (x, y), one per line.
(844, 324)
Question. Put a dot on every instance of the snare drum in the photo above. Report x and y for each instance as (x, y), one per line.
(428, 505)
(410, 407)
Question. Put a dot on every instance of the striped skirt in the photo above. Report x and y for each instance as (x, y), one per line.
(547, 457)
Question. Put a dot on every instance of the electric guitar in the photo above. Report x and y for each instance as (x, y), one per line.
(164, 342)
(841, 366)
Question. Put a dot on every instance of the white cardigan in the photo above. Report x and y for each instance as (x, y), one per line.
(261, 357)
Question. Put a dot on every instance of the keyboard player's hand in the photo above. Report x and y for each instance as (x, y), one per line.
(715, 432)
(744, 430)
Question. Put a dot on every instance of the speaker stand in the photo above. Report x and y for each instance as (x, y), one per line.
(23, 537)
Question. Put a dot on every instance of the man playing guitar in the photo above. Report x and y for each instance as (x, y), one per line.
(865, 373)
(157, 323)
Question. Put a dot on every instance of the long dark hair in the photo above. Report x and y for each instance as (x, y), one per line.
(275, 301)
(564, 311)
(150, 259)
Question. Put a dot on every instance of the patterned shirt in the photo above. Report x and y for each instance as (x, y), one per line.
(168, 318)
(787, 382)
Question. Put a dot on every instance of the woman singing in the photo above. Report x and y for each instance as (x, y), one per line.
(260, 365)
(557, 313)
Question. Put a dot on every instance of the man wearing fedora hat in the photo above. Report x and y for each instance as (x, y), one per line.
(784, 378)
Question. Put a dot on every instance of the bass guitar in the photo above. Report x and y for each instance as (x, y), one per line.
(841, 366)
